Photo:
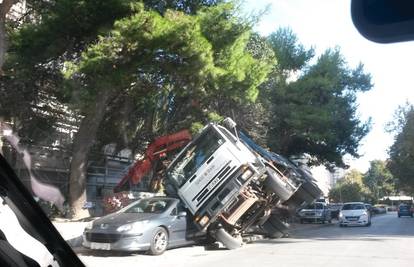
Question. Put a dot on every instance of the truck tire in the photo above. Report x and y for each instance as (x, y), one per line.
(275, 184)
(312, 189)
(300, 196)
(227, 240)
(275, 228)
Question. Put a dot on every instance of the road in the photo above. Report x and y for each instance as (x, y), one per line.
(388, 242)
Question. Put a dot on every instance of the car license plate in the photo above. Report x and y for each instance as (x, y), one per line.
(353, 219)
(101, 246)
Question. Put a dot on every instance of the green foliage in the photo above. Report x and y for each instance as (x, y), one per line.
(214, 117)
(196, 127)
(379, 180)
(401, 152)
(346, 192)
(316, 114)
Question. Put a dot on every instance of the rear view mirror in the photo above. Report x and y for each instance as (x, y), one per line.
(384, 21)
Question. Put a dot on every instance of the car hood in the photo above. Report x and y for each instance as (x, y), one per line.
(352, 212)
(117, 219)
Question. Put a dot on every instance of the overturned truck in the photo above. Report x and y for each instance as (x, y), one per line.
(230, 185)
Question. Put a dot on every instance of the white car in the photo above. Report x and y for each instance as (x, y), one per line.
(354, 213)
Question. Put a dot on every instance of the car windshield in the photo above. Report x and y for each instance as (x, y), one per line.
(353, 207)
(194, 156)
(148, 206)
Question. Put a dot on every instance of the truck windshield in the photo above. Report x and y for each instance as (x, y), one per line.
(194, 156)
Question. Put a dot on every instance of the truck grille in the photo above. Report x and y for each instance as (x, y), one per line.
(214, 183)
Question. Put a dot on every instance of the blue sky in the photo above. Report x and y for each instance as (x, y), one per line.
(326, 24)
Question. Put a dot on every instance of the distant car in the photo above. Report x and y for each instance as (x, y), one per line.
(151, 224)
(379, 209)
(405, 210)
(316, 212)
(354, 213)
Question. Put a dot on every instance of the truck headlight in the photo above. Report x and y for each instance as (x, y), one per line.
(246, 174)
(204, 220)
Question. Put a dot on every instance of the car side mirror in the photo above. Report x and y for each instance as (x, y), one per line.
(182, 214)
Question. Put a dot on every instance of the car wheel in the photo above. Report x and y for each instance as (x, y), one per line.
(341, 225)
(368, 224)
(330, 221)
(399, 216)
(302, 221)
(159, 242)
(227, 240)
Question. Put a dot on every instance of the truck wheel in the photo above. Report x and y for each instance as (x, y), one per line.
(159, 242)
(311, 189)
(227, 240)
(300, 196)
(275, 184)
(275, 227)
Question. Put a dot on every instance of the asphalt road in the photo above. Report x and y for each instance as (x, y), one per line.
(388, 242)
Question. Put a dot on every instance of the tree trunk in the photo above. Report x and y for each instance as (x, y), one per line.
(82, 145)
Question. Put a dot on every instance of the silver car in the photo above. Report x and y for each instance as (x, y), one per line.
(150, 224)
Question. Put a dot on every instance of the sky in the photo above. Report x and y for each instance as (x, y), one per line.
(326, 24)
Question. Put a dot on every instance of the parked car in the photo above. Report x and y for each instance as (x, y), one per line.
(405, 210)
(316, 212)
(354, 213)
(379, 209)
(150, 224)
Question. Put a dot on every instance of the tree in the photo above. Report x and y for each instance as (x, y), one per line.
(346, 192)
(314, 114)
(401, 163)
(379, 180)
(121, 52)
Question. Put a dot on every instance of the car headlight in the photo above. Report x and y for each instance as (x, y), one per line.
(341, 216)
(89, 225)
(132, 227)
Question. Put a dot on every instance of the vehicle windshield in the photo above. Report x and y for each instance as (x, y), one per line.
(194, 156)
(147, 206)
(353, 207)
(315, 206)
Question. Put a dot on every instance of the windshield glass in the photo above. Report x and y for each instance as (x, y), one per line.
(148, 206)
(194, 156)
(353, 207)
(315, 206)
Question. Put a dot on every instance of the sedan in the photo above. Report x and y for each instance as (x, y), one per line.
(354, 213)
(150, 224)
